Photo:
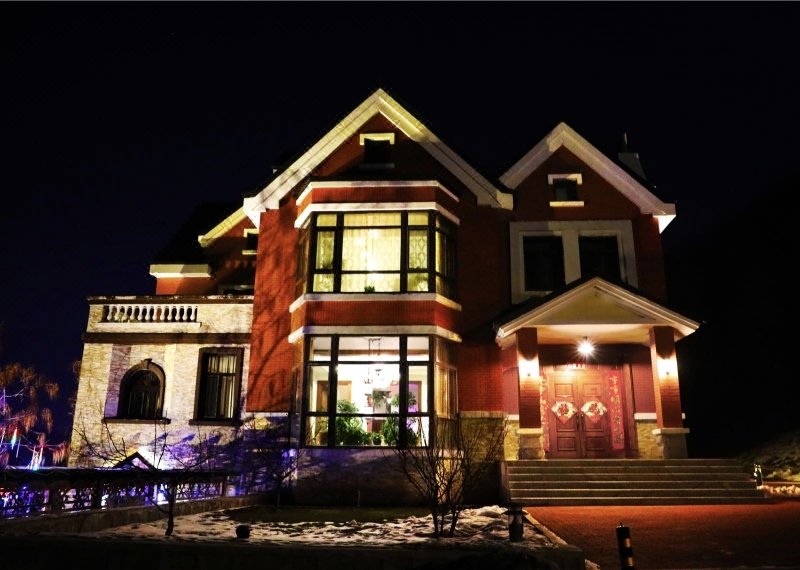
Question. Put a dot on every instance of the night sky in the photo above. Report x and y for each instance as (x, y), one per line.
(118, 119)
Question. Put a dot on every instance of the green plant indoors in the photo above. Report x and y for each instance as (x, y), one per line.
(348, 429)
(391, 428)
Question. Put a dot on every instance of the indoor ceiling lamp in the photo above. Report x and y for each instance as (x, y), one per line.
(585, 347)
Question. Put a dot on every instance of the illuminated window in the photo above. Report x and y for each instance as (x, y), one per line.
(381, 252)
(141, 392)
(218, 390)
(360, 390)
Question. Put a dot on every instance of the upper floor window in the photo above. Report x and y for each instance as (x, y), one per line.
(377, 150)
(220, 378)
(543, 259)
(251, 241)
(599, 256)
(545, 256)
(382, 252)
(142, 392)
(565, 189)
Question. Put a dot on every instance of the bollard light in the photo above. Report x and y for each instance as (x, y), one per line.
(516, 523)
(625, 548)
(759, 476)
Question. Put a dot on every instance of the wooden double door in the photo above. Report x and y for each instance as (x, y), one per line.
(578, 413)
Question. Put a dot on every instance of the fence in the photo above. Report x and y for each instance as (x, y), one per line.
(25, 493)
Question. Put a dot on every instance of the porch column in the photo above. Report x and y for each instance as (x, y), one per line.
(530, 386)
(670, 433)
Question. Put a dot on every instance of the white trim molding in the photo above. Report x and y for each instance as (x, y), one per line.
(372, 330)
(372, 297)
(334, 207)
(180, 270)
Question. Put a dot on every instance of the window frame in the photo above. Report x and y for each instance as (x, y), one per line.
(570, 202)
(441, 266)
(328, 413)
(201, 387)
(124, 400)
(570, 231)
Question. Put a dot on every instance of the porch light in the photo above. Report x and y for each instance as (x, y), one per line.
(586, 347)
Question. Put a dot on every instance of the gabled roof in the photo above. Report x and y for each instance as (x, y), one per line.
(617, 176)
(594, 307)
(379, 102)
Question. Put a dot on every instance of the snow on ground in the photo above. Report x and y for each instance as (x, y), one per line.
(780, 464)
(486, 525)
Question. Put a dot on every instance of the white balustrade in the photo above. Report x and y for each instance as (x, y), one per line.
(150, 313)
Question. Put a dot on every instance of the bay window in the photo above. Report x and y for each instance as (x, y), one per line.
(381, 252)
(374, 390)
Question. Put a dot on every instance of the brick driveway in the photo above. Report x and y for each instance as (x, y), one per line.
(683, 537)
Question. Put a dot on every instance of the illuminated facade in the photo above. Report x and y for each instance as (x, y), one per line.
(378, 281)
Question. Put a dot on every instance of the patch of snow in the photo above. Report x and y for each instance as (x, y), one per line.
(485, 525)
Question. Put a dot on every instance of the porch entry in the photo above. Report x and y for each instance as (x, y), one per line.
(578, 412)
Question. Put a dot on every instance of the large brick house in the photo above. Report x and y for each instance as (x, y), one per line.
(378, 279)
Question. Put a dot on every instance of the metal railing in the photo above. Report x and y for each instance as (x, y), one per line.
(25, 493)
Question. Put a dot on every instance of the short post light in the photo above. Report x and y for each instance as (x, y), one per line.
(516, 522)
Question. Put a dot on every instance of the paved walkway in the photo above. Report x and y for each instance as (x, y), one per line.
(683, 537)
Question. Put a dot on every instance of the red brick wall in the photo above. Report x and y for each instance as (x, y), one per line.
(601, 200)
(270, 381)
(374, 313)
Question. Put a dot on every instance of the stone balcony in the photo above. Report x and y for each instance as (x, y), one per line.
(171, 314)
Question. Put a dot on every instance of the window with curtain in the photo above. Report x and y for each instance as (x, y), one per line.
(220, 374)
(382, 252)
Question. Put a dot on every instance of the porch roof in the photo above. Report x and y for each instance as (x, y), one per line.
(605, 312)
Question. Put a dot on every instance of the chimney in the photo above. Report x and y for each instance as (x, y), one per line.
(630, 159)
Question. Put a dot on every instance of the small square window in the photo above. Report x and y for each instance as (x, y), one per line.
(251, 241)
(377, 150)
(565, 189)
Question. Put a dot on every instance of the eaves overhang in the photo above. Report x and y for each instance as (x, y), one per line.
(604, 311)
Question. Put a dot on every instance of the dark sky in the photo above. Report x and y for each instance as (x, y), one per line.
(119, 118)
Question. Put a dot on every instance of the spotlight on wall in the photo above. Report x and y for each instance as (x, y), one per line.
(585, 347)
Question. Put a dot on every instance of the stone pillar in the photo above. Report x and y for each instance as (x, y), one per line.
(530, 386)
(670, 433)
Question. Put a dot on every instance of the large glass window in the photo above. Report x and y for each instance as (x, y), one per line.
(218, 394)
(382, 252)
(372, 390)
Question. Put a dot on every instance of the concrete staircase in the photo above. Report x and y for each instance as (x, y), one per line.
(565, 482)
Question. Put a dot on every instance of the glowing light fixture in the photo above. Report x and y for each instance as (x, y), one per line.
(586, 347)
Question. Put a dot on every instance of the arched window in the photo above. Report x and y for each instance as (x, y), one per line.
(141, 392)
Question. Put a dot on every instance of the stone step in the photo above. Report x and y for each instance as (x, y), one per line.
(655, 493)
(631, 481)
(635, 500)
(681, 484)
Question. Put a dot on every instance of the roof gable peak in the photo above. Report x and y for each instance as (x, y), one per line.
(565, 136)
(378, 102)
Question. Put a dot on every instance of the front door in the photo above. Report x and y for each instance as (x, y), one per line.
(578, 413)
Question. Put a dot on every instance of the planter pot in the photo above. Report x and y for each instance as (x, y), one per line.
(243, 531)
